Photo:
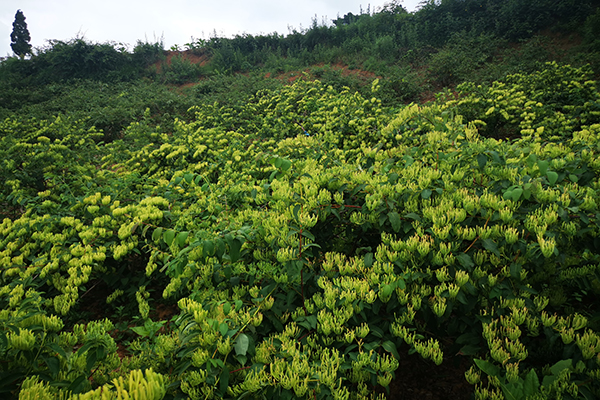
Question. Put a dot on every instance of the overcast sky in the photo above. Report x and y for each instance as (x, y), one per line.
(176, 21)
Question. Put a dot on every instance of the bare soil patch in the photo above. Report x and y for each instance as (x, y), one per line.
(199, 57)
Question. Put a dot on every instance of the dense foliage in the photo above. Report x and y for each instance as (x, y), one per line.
(251, 237)
(452, 40)
(309, 237)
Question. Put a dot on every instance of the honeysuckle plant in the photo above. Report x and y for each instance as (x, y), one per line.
(309, 239)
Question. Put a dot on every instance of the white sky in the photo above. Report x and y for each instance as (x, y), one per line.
(176, 21)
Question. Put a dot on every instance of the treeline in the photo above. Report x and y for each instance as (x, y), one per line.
(79, 59)
(414, 55)
(391, 32)
(388, 35)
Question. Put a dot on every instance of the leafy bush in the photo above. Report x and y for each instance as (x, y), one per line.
(522, 106)
(145, 53)
(227, 59)
(310, 236)
(231, 89)
(181, 70)
(401, 86)
(461, 57)
(385, 48)
(591, 31)
(109, 108)
(80, 59)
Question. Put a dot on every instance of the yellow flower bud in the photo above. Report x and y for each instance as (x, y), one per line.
(24, 340)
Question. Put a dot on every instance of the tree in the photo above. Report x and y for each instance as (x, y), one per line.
(347, 20)
(20, 36)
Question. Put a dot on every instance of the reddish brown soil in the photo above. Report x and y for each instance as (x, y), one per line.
(420, 379)
(194, 56)
(556, 44)
(200, 57)
(291, 76)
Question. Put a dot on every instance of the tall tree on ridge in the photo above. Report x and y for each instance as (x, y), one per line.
(20, 36)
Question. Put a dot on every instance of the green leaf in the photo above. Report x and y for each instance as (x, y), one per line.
(548, 380)
(395, 220)
(481, 160)
(413, 216)
(301, 321)
(377, 331)
(285, 165)
(586, 393)
(513, 391)
(368, 260)
(208, 248)
(371, 346)
(223, 328)
(543, 166)
(515, 270)
(532, 384)
(219, 248)
(496, 157)
(552, 177)
(235, 245)
(53, 364)
(101, 352)
(157, 234)
(391, 347)
(531, 160)
(296, 211)
(59, 350)
(188, 177)
(224, 380)
(238, 305)
(181, 238)
(573, 178)
(470, 350)
(516, 194)
(309, 235)
(387, 290)
(141, 330)
(78, 384)
(241, 344)
(425, 194)
(468, 337)
(92, 357)
(491, 246)
(226, 308)
(84, 348)
(560, 366)
(487, 367)
(335, 212)
(168, 236)
(465, 260)
(400, 284)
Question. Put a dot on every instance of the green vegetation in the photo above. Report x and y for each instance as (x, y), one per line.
(295, 231)
(20, 36)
